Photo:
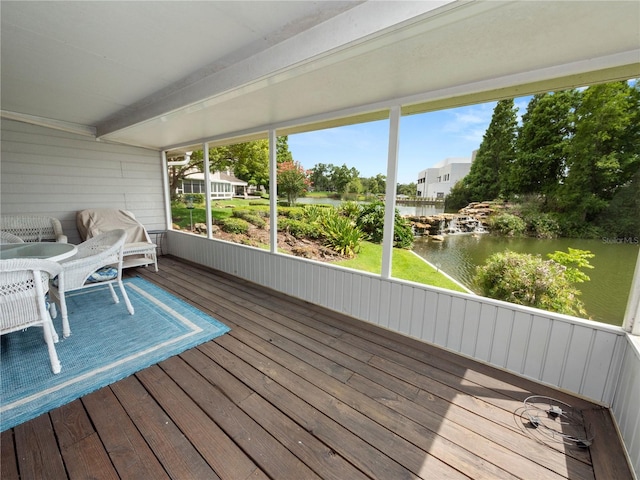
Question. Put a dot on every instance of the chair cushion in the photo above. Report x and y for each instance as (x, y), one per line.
(103, 274)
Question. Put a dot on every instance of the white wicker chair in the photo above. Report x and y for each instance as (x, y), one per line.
(23, 286)
(33, 228)
(7, 237)
(103, 250)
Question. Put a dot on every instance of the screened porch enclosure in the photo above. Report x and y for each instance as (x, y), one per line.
(91, 103)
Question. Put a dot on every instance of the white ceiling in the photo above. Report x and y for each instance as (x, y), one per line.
(163, 74)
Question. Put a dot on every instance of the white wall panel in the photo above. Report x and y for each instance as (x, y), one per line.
(486, 332)
(502, 337)
(457, 320)
(395, 305)
(443, 314)
(625, 407)
(417, 312)
(518, 341)
(470, 328)
(537, 347)
(579, 348)
(54, 173)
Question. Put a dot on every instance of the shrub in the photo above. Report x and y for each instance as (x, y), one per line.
(299, 228)
(234, 225)
(350, 210)
(371, 222)
(543, 225)
(341, 235)
(530, 280)
(296, 213)
(250, 216)
(313, 213)
(402, 233)
(507, 224)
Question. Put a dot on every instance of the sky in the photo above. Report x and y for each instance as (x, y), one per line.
(425, 139)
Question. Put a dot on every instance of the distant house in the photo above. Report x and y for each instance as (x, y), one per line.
(223, 185)
(436, 182)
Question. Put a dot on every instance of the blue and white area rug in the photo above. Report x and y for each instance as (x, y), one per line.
(106, 345)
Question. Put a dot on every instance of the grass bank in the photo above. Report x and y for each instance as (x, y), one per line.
(404, 265)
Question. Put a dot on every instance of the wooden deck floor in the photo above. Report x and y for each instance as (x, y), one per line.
(298, 392)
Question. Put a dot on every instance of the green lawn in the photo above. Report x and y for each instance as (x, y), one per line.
(219, 209)
(405, 265)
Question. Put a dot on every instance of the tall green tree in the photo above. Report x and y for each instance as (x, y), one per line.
(543, 143)
(374, 185)
(489, 175)
(605, 151)
(320, 176)
(621, 218)
(342, 176)
(249, 161)
(282, 149)
(409, 189)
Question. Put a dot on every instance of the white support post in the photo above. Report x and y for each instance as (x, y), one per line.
(165, 189)
(207, 188)
(273, 193)
(390, 196)
(632, 314)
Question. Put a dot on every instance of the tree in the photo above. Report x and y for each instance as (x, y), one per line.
(342, 176)
(409, 189)
(354, 186)
(282, 150)
(293, 180)
(621, 218)
(543, 143)
(249, 161)
(374, 185)
(605, 151)
(489, 175)
(320, 177)
(459, 197)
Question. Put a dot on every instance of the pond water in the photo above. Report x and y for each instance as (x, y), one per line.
(604, 296)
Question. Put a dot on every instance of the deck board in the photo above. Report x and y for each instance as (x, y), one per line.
(298, 391)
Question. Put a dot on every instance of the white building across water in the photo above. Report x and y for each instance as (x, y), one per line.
(437, 181)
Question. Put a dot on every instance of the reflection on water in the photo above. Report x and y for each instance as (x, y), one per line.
(605, 295)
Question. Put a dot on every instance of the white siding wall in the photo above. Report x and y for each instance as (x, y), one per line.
(625, 404)
(581, 356)
(50, 172)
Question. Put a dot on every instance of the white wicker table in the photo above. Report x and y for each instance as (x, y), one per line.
(54, 251)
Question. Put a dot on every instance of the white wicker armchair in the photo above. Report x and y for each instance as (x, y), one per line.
(104, 250)
(7, 238)
(23, 286)
(33, 228)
